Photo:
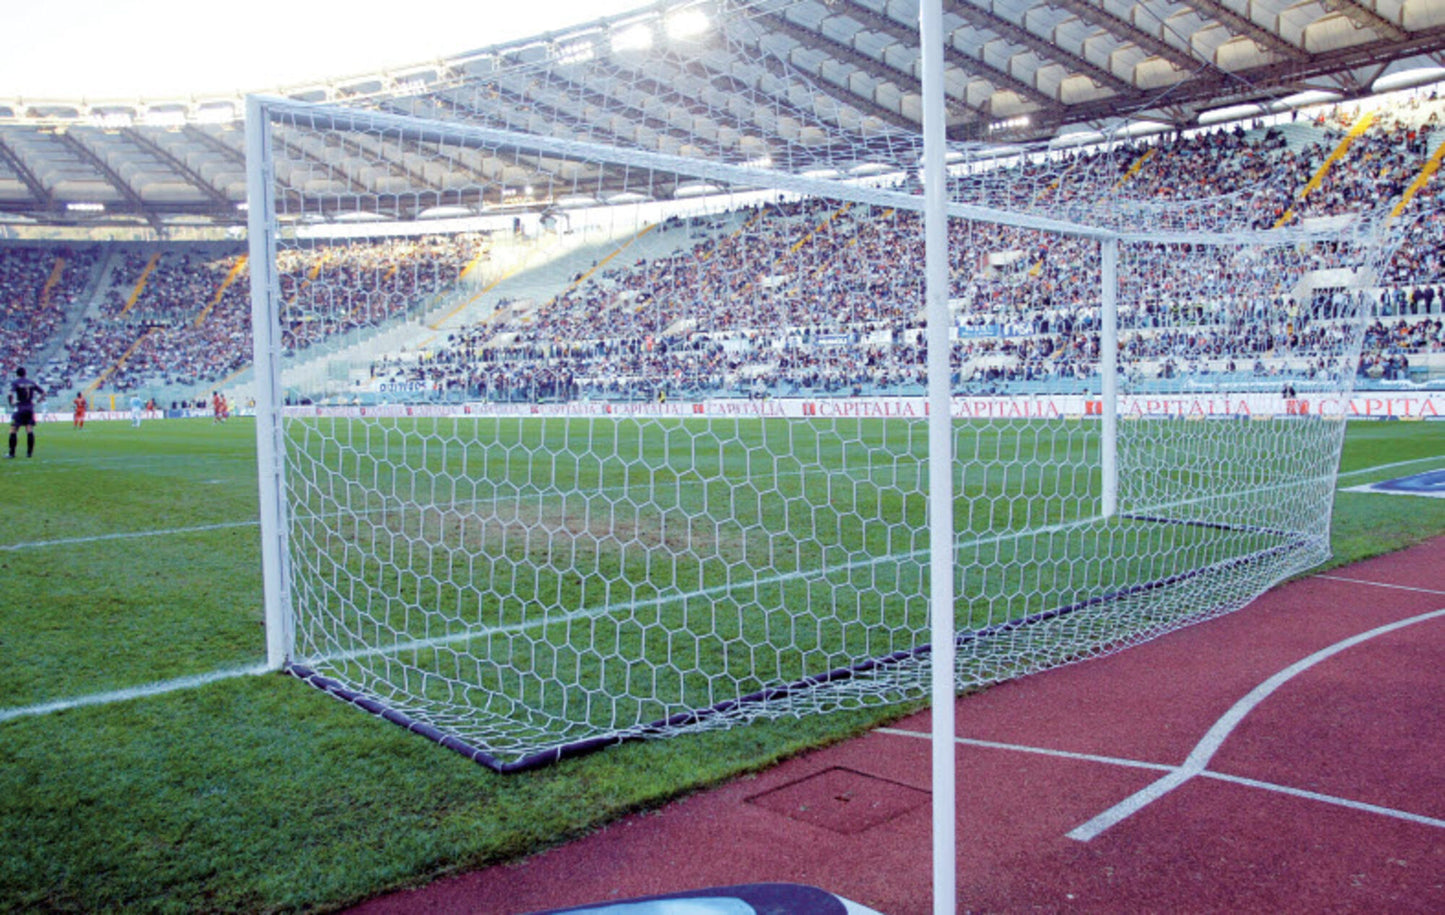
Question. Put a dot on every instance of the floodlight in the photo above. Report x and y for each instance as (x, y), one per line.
(633, 38)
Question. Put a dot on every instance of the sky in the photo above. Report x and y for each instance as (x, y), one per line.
(129, 49)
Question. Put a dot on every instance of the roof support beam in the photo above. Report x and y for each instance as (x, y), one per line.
(659, 91)
(468, 113)
(131, 197)
(32, 183)
(594, 91)
(296, 152)
(1217, 88)
(1045, 49)
(1243, 25)
(1124, 30)
(731, 82)
(139, 139)
(907, 35)
(854, 58)
(1365, 17)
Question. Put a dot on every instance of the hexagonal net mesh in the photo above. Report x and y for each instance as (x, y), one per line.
(551, 477)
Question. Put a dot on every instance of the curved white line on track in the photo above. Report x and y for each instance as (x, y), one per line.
(1198, 760)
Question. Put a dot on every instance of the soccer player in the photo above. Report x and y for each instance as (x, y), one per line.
(218, 408)
(136, 406)
(79, 403)
(24, 395)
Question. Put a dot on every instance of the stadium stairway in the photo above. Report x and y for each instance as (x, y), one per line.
(1299, 134)
(87, 303)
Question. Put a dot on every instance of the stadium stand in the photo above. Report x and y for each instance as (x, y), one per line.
(678, 315)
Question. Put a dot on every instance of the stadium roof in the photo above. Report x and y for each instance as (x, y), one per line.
(775, 80)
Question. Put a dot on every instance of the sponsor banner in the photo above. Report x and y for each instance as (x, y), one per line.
(1378, 405)
(55, 416)
(401, 387)
(1375, 405)
(1217, 406)
(981, 331)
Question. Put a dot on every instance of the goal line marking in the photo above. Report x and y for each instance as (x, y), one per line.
(134, 692)
(125, 535)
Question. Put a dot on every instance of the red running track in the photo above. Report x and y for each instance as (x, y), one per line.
(1320, 785)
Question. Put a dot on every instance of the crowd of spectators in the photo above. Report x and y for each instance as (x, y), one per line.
(39, 287)
(334, 288)
(816, 297)
(184, 317)
(812, 297)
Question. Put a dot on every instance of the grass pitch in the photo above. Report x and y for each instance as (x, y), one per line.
(132, 560)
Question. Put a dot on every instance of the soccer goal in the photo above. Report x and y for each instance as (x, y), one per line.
(643, 450)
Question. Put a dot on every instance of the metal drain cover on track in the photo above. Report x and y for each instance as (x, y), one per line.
(841, 800)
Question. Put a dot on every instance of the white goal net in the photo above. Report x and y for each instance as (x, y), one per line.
(566, 441)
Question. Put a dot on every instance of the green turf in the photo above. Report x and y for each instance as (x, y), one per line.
(256, 793)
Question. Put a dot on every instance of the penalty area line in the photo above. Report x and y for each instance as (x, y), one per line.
(133, 692)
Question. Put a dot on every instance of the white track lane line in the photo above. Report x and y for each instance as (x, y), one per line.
(1328, 799)
(1380, 584)
(1161, 767)
(1204, 751)
(1039, 751)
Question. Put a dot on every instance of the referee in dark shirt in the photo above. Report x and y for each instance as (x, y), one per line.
(24, 395)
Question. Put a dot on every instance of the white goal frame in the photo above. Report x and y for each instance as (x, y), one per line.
(936, 209)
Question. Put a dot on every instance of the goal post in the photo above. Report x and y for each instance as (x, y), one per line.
(646, 451)
(266, 360)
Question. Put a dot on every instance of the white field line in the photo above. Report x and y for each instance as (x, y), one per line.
(1329, 799)
(134, 692)
(1365, 471)
(125, 535)
(1198, 760)
(1161, 767)
(45, 466)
